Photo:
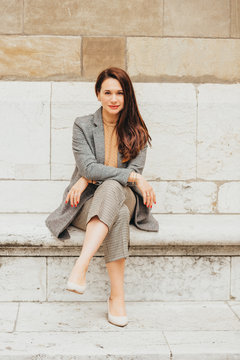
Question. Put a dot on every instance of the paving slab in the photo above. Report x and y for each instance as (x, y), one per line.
(156, 330)
(95, 345)
(204, 345)
(155, 316)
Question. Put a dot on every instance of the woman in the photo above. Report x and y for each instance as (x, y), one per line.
(107, 190)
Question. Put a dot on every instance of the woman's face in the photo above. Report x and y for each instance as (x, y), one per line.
(111, 96)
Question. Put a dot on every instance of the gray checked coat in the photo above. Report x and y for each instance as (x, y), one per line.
(89, 152)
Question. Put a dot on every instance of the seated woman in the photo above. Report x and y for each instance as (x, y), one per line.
(107, 191)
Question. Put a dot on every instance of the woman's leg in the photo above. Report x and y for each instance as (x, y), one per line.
(96, 217)
(119, 233)
(116, 275)
(90, 246)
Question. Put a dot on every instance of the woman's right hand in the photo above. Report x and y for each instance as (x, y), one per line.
(145, 189)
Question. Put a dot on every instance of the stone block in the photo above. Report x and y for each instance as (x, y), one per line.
(40, 57)
(165, 278)
(23, 279)
(169, 111)
(185, 197)
(235, 18)
(235, 278)
(78, 17)
(8, 315)
(196, 18)
(11, 19)
(100, 53)
(228, 198)
(69, 100)
(183, 59)
(31, 196)
(25, 126)
(218, 154)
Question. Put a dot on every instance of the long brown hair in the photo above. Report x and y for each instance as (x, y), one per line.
(132, 133)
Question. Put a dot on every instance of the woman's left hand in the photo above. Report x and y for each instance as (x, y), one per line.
(76, 191)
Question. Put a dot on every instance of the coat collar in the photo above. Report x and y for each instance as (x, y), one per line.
(98, 135)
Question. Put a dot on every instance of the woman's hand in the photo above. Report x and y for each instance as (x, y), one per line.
(145, 189)
(76, 191)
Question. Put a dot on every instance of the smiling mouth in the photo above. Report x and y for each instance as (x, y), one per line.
(114, 106)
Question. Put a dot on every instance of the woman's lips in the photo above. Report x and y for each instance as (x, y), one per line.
(113, 107)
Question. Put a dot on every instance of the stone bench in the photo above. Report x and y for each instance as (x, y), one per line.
(192, 257)
(185, 234)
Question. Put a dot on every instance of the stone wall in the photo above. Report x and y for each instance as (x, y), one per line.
(155, 40)
(193, 164)
(50, 55)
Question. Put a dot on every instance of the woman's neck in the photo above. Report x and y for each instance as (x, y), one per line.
(108, 118)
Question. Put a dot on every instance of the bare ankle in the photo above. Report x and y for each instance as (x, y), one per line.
(117, 297)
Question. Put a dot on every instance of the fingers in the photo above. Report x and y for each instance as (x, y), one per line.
(67, 198)
(149, 200)
(74, 197)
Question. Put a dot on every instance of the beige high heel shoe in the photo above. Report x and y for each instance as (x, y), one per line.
(79, 289)
(116, 320)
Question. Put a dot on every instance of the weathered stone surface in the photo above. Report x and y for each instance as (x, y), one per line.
(170, 116)
(40, 58)
(23, 278)
(179, 59)
(235, 306)
(165, 278)
(31, 196)
(228, 197)
(169, 111)
(25, 129)
(196, 18)
(78, 17)
(199, 345)
(218, 132)
(235, 17)
(235, 278)
(69, 100)
(100, 53)
(185, 197)
(11, 19)
(8, 315)
(59, 269)
(174, 230)
(91, 316)
(196, 330)
(92, 345)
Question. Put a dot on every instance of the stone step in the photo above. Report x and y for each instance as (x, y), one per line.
(185, 234)
(191, 257)
(156, 330)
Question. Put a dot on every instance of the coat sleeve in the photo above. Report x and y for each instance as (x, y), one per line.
(137, 164)
(87, 162)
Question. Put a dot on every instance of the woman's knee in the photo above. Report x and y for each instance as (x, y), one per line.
(110, 186)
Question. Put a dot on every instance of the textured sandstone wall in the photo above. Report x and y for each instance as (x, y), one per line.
(155, 40)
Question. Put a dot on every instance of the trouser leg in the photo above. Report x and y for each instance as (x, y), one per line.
(114, 205)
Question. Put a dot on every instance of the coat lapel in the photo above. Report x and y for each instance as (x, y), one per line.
(98, 135)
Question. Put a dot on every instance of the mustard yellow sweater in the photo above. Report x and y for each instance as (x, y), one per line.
(111, 147)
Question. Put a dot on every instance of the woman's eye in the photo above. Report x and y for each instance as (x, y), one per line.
(109, 93)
